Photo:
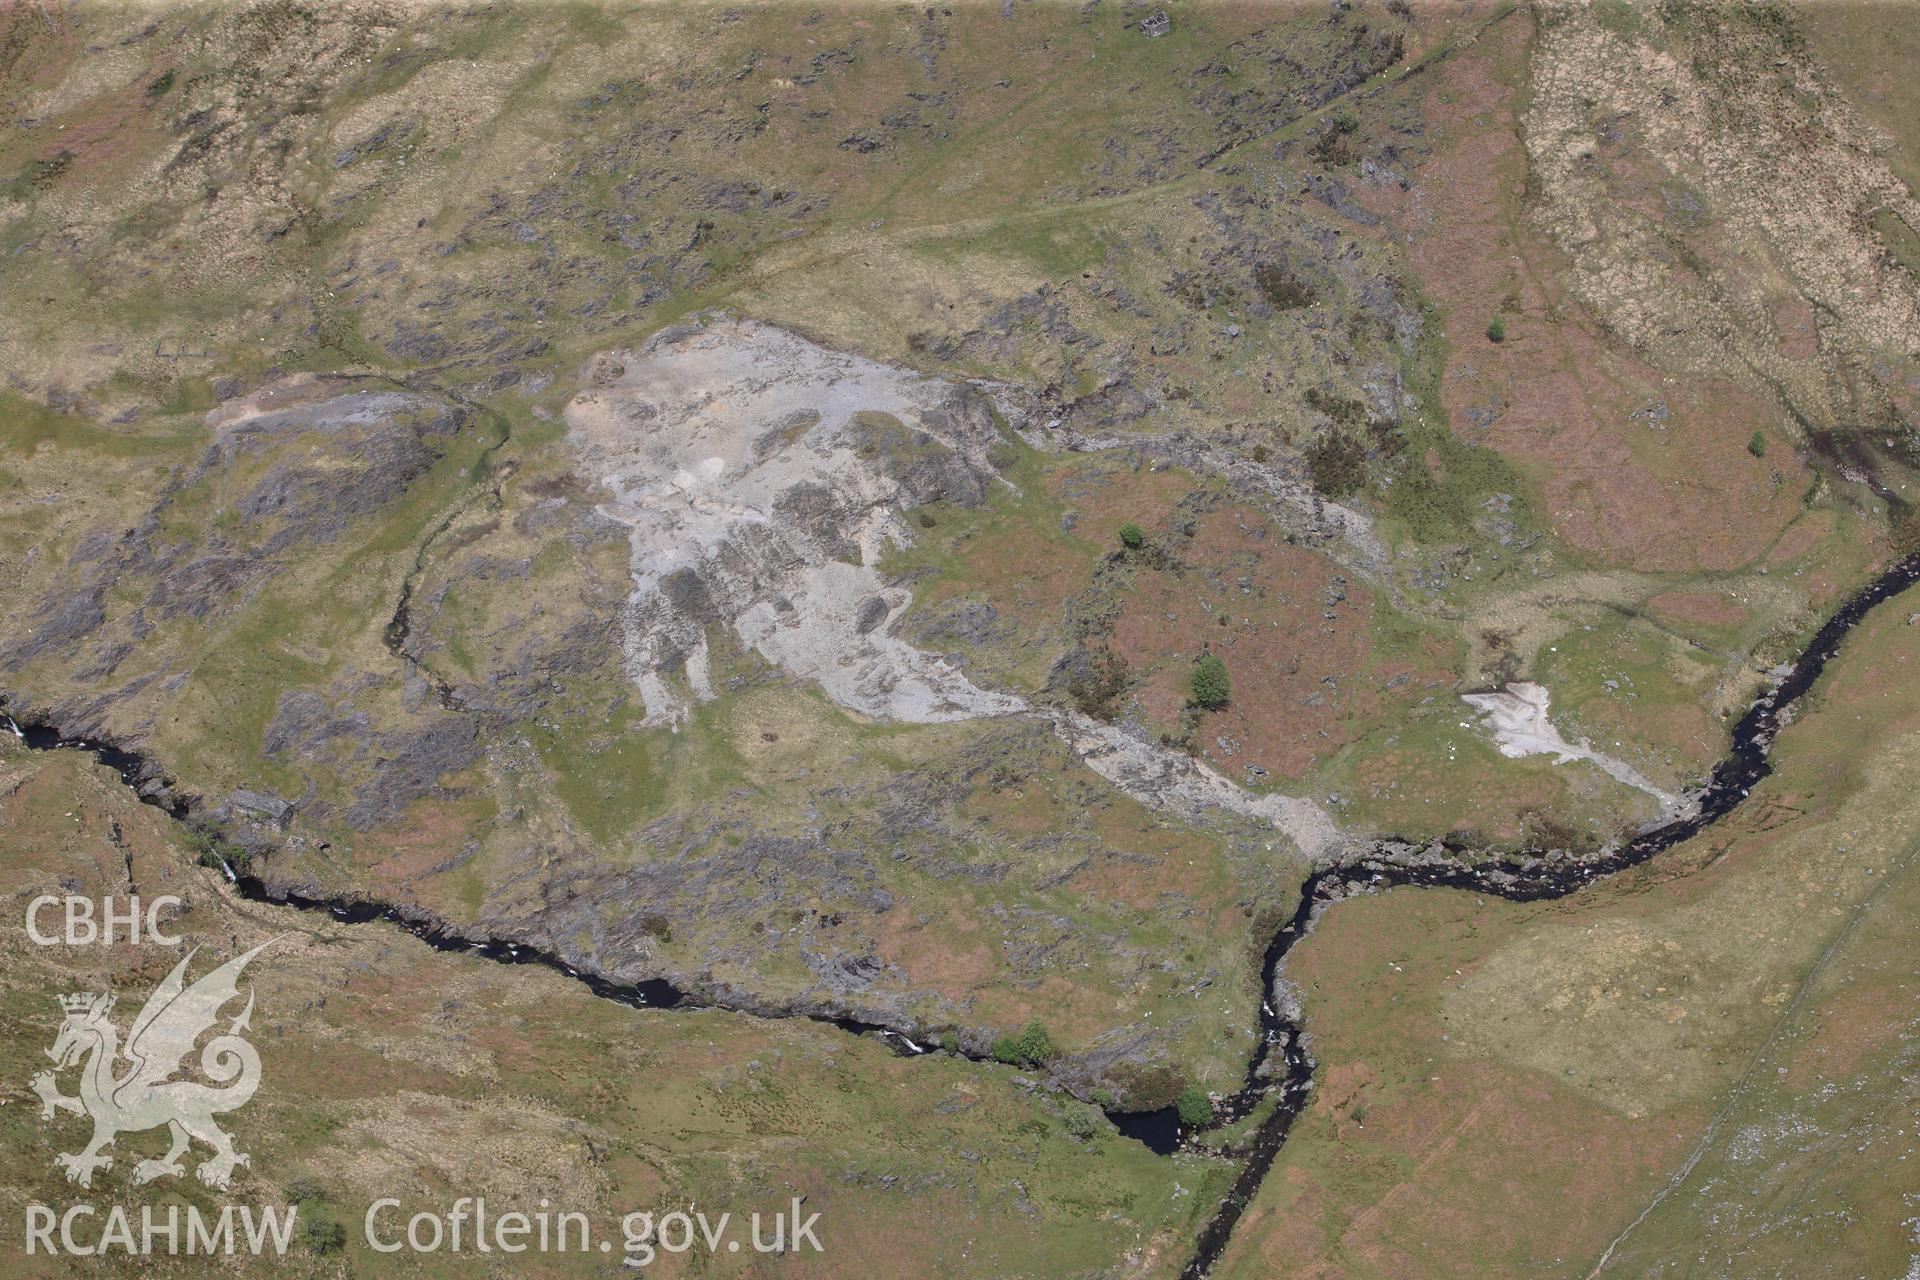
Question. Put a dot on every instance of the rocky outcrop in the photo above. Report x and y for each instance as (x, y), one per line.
(762, 478)
(306, 456)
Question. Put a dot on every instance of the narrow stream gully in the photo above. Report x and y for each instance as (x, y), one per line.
(1530, 879)
(136, 770)
(1280, 1069)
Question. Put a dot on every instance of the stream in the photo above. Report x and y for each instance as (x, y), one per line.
(1280, 1069)
(1533, 879)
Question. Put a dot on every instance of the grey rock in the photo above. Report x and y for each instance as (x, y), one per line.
(262, 806)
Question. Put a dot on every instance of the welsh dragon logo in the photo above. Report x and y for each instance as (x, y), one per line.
(144, 1095)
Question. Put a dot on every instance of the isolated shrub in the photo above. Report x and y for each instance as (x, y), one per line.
(1281, 287)
(320, 1229)
(1496, 330)
(1036, 1046)
(1082, 1121)
(1338, 465)
(1331, 147)
(1097, 688)
(1132, 536)
(1194, 1107)
(1030, 1048)
(1757, 444)
(1211, 687)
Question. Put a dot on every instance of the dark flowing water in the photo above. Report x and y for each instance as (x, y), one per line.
(648, 993)
(1528, 880)
(1286, 1079)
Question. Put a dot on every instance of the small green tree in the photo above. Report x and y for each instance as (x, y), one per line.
(1194, 1107)
(1132, 536)
(1497, 330)
(320, 1229)
(1757, 444)
(1030, 1048)
(1211, 688)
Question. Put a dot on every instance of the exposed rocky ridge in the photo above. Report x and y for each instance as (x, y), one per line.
(294, 478)
(309, 455)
